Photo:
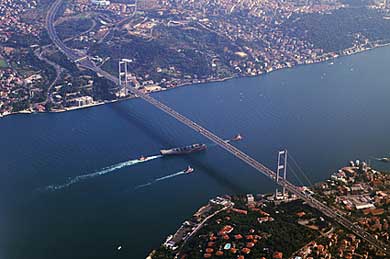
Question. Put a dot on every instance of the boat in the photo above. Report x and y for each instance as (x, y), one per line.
(142, 158)
(384, 159)
(183, 150)
(189, 170)
(238, 137)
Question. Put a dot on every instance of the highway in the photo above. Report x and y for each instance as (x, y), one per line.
(87, 63)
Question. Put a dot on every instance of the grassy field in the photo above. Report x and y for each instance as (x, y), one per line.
(3, 63)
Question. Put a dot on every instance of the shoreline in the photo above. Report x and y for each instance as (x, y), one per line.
(327, 57)
(176, 241)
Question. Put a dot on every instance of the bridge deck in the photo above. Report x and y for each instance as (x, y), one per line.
(258, 166)
(87, 63)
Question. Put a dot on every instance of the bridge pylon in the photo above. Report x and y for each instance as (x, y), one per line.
(123, 77)
(281, 170)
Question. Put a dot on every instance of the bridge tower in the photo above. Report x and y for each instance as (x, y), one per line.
(281, 170)
(123, 77)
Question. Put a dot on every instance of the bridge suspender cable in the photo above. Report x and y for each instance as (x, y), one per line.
(301, 170)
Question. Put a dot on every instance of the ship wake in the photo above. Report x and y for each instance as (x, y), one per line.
(103, 171)
(160, 179)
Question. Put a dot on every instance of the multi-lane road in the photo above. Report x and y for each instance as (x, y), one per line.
(85, 61)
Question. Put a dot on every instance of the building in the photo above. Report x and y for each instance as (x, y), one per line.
(361, 206)
(152, 88)
(84, 100)
(250, 200)
(101, 2)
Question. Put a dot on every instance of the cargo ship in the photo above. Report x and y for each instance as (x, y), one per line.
(183, 150)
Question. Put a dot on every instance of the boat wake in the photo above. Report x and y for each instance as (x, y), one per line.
(103, 171)
(383, 159)
(161, 179)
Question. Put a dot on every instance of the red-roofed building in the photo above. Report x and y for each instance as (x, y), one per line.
(209, 250)
(211, 244)
(277, 255)
(376, 212)
(250, 244)
(249, 237)
(238, 236)
(245, 250)
(243, 212)
(225, 230)
(260, 211)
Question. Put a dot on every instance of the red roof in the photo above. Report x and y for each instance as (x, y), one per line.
(209, 250)
(250, 244)
(225, 230)
(278, 255)
(210, 244)
(245, 250)
(238, 236)
(249, 237)
(244, 212)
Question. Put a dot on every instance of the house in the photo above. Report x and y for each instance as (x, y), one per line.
(277, 255)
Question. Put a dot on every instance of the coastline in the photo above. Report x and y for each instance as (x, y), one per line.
(321, 190)
(325, 58)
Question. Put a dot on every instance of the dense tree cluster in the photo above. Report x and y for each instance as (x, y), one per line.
(338, 30)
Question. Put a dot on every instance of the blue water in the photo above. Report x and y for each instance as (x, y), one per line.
(68, 182)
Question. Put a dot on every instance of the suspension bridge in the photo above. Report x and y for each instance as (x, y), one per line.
(85, 61)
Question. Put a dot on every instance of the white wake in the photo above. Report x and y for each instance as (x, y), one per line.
(160, 179)
(103, 171)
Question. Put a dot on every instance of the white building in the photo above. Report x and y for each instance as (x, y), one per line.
(84, 100)
(101, 2)
(250, 199)
(363, 206)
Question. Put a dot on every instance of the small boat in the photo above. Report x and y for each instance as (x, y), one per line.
(142, 158)
(189, 170)
(238, 137)
(384, 159)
